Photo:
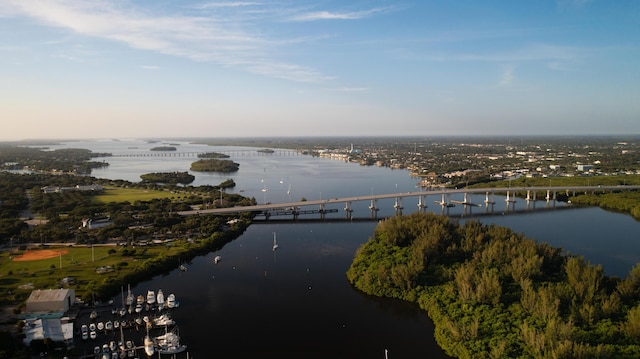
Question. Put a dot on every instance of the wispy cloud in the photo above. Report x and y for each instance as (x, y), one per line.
(199, 38)
(150, 67)
(507, 76)
(213, 5)
(328, 15)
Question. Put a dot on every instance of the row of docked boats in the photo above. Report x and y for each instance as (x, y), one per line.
(161, 337)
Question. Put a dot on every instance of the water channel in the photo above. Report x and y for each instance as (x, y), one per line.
(296, 302)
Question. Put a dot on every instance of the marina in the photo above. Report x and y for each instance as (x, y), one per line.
(105, 331)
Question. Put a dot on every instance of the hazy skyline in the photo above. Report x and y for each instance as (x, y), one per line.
(123, 68)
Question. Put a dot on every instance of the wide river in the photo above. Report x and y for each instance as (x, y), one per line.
(296, 302)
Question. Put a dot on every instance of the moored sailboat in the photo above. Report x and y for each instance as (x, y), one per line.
(275, 243)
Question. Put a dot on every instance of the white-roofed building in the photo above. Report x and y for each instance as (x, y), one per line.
(59, 330)
(50, 300)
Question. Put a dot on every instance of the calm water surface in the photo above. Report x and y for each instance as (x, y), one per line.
(296, 302)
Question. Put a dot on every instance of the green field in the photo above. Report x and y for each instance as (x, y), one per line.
(18, 279)
(117, 194)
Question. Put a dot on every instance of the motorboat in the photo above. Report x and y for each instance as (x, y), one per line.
(160, 299)
(93, 334)
(139, 299)
(183, 267)
(106, 352)
(163, 320)
(92, 327)
(217, 259)
(108, 325)
(151, 297)
(84, 330)
(171, 301)
(100, 326)
(93, 315)
(138, 308)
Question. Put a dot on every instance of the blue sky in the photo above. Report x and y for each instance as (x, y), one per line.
(161, 68)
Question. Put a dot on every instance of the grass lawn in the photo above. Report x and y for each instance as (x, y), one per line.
(19, 278)
(131, 195)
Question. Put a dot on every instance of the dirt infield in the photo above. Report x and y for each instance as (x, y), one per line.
(36, 255)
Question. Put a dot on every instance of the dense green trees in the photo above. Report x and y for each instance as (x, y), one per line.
(215, 165)
(168, 177)
(493, 293)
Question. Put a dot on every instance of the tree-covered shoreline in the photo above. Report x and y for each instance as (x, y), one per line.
(493, 293)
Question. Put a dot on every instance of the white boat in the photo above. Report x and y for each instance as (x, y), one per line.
(149, 348)
(100, 326)
(139, 299)
(138, 308)
(163, 320)
(92, 327)
(93, 334)
(130, 297)
(275, 243)
(85, 332)
(171, 300)
(169, 342)
(183, 268)
(217, 259)
(160, 299)
(108, 325)
(151, 297)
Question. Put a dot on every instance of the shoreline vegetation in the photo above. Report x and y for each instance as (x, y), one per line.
(493, 293)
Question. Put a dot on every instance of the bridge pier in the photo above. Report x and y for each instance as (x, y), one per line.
(374, 208)
(487, 200)
(348, 210)
(508, 200)
(398, 205)
(422, 202)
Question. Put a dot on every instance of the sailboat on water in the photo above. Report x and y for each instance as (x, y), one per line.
(275, 243)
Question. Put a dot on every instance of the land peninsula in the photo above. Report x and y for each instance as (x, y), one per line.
(493, 293)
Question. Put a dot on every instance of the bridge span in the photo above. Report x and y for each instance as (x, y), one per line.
(549, 193)
(201, 154)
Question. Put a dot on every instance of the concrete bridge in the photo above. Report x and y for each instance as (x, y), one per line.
(548, 193)
(230, 153)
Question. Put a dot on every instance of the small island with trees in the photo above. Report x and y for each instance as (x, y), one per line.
(168, 177)
(215, 165)
(164, 148)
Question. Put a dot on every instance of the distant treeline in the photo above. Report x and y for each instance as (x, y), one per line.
(493, 293)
